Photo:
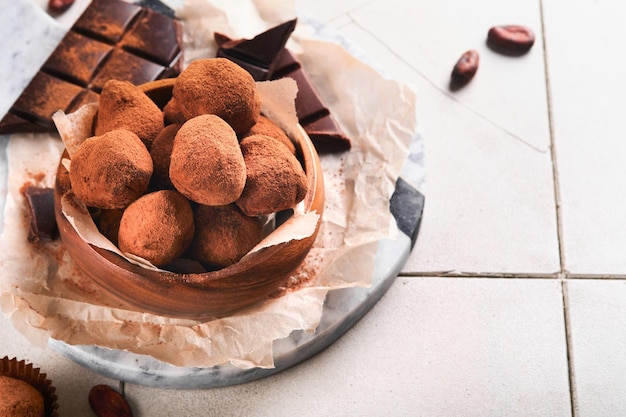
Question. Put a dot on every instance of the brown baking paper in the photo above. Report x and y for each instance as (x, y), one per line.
(46, 296)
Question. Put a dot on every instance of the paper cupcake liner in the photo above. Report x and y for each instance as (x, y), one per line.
(27, 373)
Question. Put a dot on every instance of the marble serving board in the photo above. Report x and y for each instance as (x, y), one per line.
(342, 309)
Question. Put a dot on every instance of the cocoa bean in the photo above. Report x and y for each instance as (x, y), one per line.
(59, 6)
(465, 69)
(511, 39)
(106, 402)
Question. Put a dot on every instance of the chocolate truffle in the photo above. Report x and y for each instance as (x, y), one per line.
(265, 126)
(161, 151)
(223, 235)
(109, 223)
(125, 106)
(112, 170)
(275, 179)
(221, 87)
(206, 165)
(158, 227)
(19, 399)
(172, 113)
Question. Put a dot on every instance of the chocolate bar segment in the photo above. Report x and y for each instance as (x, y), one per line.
(313, 115)
(112, 39)
(259, 54)
(265, 62)
(40, 203)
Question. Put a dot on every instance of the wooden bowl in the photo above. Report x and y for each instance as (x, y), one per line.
(203, 295)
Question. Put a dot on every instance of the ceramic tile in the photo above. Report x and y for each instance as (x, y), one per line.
(328, 10)
(71, 381)
(489, 192)
(598, 346)
(587, 101)
(431, 346)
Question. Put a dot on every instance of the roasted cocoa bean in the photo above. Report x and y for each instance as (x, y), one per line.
(106, 402)
(465, 69)
(511, 39)
(59, 6)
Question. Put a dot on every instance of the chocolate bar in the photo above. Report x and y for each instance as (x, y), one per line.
(259, 54)
(43, 225)
(315, 118)
(112, 39)
(266, 58)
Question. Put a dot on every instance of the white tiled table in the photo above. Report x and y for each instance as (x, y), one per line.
(513, 301)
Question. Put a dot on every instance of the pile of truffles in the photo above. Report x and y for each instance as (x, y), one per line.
(194, 180)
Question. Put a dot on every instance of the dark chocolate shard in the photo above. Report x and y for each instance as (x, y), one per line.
(112, 39)
(43, 225)
(259, 54)
(313, 114)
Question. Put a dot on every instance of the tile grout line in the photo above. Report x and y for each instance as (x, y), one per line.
(563, 273)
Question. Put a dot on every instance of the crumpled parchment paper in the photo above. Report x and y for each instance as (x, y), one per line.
(46, 296)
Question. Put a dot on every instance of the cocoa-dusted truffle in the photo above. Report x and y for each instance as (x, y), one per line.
(275, 179)
(157, 227)
(206, 165)
(224, 235)
(112, 170)
(125, 106)
(173, 114)
(161, 152)
(109, 223)
(221, 87)
(265, 126)
(19, 399)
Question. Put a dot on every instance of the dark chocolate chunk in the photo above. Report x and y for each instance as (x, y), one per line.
(112, 39)
(258, 59)
(259, 54)
(43, 225)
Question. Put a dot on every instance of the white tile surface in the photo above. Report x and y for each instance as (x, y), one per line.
(489, 173)
(71, 381)
(584, 43)
(431, 347)
(598, 343)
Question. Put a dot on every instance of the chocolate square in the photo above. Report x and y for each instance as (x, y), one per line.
(125, 66)
(77, 58)
(153, 38)
(107, 20)
(44, 95)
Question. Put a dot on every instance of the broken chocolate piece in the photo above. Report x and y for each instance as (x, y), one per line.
(43, 225)
(112, 39)
(259, 54)
(315, 118)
